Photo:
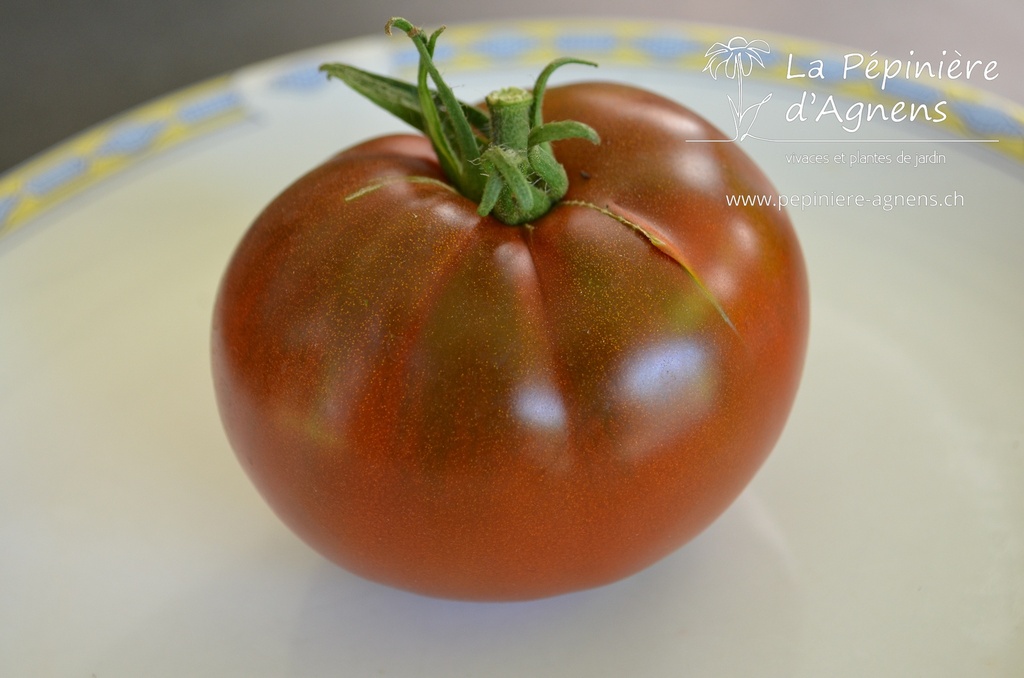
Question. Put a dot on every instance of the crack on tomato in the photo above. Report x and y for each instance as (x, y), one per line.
(387, 181)
(663, 247)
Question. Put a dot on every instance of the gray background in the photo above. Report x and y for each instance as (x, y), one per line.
(67, 65)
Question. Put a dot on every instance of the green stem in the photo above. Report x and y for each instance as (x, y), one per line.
(510, 110)
(501, 160)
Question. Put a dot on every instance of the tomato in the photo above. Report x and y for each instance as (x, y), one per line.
(444, 403)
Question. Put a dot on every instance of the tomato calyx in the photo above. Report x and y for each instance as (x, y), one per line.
(500, 158)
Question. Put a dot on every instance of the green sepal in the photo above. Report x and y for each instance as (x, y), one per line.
(399, 98)
(551, 172)
(563, 129)
(541, 85)
(457, 146)
(492, 191)
(509, 166)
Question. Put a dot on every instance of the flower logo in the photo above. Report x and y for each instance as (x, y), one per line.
(736, 59)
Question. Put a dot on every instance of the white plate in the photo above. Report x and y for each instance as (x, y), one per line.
(884, 537)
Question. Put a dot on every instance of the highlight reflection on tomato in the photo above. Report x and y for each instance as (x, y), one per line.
(451, 405)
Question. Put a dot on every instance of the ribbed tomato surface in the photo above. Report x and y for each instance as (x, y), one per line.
(446, 404)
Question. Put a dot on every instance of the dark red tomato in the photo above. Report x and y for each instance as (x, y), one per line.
(450, 405)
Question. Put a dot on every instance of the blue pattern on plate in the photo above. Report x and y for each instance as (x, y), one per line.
(210, 107)
(586, 43)
(410, 57)
(667, 46)
(505, 46)
(131, 138)
(7, 205)
(305, 77)
(912, 91)
(986, 120)
(57, 176)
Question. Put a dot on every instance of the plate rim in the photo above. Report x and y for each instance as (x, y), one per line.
(111, 147)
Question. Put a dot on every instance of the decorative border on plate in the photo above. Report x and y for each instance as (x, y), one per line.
(114, 146)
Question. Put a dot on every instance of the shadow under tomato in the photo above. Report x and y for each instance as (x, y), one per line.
(726, 604)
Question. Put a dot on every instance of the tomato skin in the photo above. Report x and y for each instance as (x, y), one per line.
(446, 404)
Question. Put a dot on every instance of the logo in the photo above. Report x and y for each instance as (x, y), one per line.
(736, 60)
(839, 95)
